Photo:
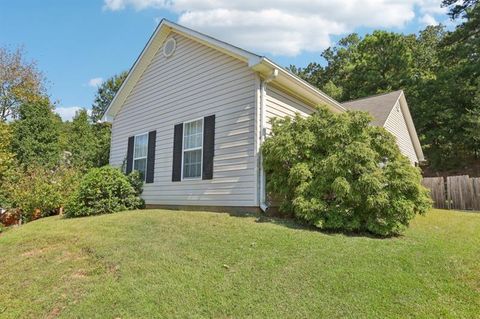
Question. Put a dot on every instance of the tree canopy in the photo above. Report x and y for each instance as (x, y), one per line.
(105, 95)
(88, 143)
(438, 70)
(20, 82)
(36, 134)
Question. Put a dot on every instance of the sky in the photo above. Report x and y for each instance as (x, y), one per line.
(77, 44)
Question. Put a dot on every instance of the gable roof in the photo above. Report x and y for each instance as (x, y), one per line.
(260, 64)
(379, 106)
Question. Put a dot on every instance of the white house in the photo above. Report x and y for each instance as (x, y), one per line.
(193, 112)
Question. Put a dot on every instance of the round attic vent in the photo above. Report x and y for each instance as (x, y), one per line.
(169, 47)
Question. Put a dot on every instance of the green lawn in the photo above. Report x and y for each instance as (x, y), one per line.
(158, 263)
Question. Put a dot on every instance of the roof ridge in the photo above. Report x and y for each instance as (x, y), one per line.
(372, 96)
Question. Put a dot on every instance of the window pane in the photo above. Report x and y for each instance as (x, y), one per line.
(141, 145)
(193, 134)
(141, 166)
(192, 164)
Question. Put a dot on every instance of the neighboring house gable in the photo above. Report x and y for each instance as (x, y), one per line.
(390, 110)
(397, 125)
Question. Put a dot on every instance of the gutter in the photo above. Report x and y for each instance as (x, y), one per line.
(263, 102)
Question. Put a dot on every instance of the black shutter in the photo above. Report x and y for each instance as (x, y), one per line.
(208, 146)
(177, 153)
(131, 142)
(152, 137)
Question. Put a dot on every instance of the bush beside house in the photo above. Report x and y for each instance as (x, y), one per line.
(336, 171)
(105, 190)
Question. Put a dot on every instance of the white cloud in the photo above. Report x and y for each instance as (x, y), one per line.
(286, 27)
(95, 82)
(68, 112)
(428, 19)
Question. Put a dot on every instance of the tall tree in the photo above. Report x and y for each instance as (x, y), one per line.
(105, 94)
(6, 160)
(80, 140)
(87, 142)
(459, 9)
(455, 92)
(385, 61)
(20, 82)
(36, 134)
(6, 155)
(103, 132)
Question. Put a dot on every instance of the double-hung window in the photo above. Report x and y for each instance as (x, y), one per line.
(140, 152)
(192, 149)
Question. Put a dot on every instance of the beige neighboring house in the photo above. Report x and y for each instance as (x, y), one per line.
(193, 112)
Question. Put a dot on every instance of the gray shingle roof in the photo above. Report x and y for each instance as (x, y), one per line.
(379, 106)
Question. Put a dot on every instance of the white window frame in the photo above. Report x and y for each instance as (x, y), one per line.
(141, 157)
(192, 149)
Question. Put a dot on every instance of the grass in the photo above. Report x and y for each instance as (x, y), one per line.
(159, 263)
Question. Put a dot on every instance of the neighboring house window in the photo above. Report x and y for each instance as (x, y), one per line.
(140, 152)
(192, 149)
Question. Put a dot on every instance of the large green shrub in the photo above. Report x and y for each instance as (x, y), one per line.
(338, 172)
(104, 190)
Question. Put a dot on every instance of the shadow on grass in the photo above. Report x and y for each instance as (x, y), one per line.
(293, 223)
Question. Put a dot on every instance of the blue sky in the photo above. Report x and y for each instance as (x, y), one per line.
(78, 43)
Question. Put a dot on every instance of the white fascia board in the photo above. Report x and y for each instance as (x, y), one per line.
(215, 43)
(257, 63)
(131, 78)
(411, 127)
(152, 46)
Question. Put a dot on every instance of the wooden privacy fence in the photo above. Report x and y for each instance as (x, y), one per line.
(458, 192)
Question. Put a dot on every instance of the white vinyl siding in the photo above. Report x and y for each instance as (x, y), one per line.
(194, 82)
(396, 125)
(280, 104)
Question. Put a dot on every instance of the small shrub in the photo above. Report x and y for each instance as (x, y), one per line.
(36, 191)
(338, 172)
(102, 191)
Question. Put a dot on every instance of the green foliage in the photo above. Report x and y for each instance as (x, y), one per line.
(435, 68)
(20, 82)
(36, 134)
(136, 180)
(88, 143)
(102, 132)
(105, 94)
(38, 191)
(338, 172)
(102, 191)
(448, 107)
(459, 8)
(6, 155)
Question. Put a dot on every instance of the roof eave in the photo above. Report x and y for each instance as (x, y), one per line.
(293, 83)
(411, 127)
(164, 28)
(257, 63)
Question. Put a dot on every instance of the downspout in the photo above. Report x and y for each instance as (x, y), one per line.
(263, 105)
